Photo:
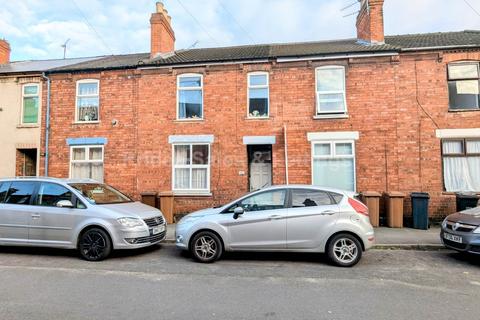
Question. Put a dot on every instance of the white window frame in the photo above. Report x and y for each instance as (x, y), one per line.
(266, 86)
(333, 155)
(318, 112)
(87, 157)
(191, 166)
(87, 96)
(30, 96)
(188, 75)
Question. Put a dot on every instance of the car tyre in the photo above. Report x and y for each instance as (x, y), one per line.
(206, 247)
(344, 250)
(95, 245)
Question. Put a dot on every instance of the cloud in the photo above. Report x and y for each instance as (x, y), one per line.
(37, 28)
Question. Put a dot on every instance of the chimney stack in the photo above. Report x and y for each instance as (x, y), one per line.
(370, 22)
(162, 35)
(4, 52)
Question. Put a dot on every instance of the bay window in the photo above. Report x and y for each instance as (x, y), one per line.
(30, 94)
(87, 101)
(86, 162)
(191, 167)
(258, 95)
(461, 164)
(464, 86)
(333, 164)
(190, 97)
(330, 90)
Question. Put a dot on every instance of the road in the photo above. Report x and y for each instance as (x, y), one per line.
(163, 283)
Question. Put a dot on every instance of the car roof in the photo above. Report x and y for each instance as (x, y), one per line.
(49, 179)
(306, 186)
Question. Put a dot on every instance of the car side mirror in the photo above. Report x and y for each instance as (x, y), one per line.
(237, 212)
(65, 204)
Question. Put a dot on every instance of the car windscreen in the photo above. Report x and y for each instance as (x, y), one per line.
(97, 193)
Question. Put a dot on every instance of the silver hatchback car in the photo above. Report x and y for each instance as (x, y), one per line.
(75, 214)
(291, 218)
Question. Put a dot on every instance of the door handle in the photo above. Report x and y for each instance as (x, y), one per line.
(35, 216)
(275, 217)
(328, 212)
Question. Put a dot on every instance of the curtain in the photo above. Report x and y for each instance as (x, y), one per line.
(182, 178)
(461, 173)
(199, 178)
(87, 171)
(334, 173)
(182, 155)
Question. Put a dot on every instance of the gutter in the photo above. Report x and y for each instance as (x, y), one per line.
(334, 57)
(47, 124)
(200, 64)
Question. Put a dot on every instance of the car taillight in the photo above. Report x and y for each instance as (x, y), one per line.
(358, 206)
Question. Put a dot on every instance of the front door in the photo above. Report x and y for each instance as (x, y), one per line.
(312, 215)
(259, 166)
(262, 225)
(50, 224)
(15, 210)
(26, 163)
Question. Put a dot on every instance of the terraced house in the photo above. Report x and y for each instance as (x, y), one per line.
(382, 113)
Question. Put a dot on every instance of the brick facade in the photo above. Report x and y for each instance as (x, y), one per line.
(395, 103)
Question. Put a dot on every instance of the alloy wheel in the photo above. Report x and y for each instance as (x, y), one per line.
(94, 245)
(206, 247)
(345, 250)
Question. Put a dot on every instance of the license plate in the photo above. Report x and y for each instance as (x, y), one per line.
(452, 237)
(158, 229)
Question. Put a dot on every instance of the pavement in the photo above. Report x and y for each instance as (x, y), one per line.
(162, 282)
(386, 238)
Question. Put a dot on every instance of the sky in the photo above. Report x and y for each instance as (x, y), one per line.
(36, 29)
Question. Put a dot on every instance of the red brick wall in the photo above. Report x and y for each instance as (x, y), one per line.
(395, 104)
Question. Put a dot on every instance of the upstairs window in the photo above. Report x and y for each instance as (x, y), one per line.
(190, 97)
(258, 95)
(30, 103)
(87, 101)
(463, 86)
(330, 89)
(461, 164)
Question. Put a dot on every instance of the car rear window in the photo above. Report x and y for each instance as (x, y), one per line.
(20, 192)
(309, 198)
(337, 197)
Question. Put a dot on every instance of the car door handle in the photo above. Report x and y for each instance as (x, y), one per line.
(328, 212)
(35, 216)
(275, 217)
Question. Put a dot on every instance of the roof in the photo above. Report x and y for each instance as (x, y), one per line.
(393, 44)
(30, 66)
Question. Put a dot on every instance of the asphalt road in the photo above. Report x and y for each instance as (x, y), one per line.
(162, 283)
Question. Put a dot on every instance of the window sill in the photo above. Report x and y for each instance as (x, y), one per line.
(30, 125)
(463, 110)
(331, 116)
(189, 120)
(257, 118)
(188, 193)
(86, 122)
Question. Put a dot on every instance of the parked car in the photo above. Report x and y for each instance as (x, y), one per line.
(290, 218)
(461, 231)
(76, 214)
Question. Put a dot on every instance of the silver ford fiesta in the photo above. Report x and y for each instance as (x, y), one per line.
(290, 218)
(75, 214)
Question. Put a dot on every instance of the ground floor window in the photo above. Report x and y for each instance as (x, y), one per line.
(333, 164)
(461, 164)
(191, 167)
(86, 162)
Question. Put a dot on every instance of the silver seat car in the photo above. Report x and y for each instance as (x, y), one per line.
(75, 214)
(291, 218)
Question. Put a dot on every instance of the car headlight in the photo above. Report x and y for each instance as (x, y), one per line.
(444, 223)
(130, 222)
(477, 230)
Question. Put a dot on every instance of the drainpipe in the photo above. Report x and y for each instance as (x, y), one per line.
(286, 152)
(47, 123)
